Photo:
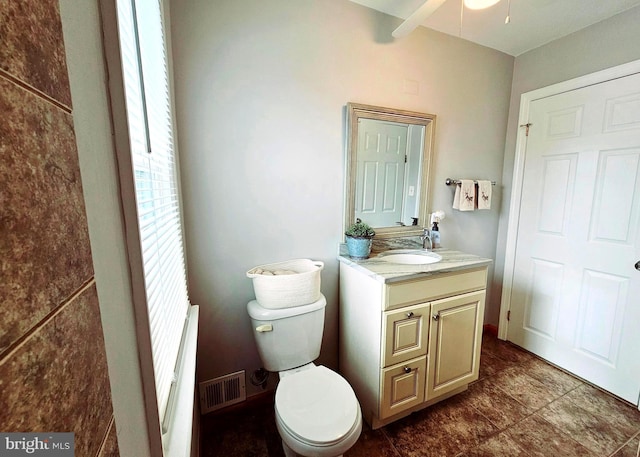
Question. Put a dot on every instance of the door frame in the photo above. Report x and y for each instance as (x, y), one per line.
(526, 99)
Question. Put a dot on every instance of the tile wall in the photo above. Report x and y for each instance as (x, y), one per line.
(53, 369)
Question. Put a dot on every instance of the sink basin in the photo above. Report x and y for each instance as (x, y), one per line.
(410, 257)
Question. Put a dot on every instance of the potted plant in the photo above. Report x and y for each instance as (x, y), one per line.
(359, 237)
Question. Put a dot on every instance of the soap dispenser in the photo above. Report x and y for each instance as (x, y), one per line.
(435, 236)
(436, 217)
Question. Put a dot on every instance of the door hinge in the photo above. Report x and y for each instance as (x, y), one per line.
(527, 125)
(509, 315)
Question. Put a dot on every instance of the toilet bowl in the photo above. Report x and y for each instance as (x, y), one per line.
(317, 413)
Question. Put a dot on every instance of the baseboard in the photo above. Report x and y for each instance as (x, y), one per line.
(490, 329)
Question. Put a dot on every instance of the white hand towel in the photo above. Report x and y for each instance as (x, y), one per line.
(456, 198)
(484, 194)
(467, 200)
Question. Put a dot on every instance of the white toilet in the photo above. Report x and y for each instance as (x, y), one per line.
(317, 413)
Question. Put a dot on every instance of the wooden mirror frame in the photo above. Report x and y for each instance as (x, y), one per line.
(355, 112)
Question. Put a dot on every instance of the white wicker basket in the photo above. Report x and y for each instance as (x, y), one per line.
(291, 283)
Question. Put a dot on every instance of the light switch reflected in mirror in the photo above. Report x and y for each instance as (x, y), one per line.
(388, 167)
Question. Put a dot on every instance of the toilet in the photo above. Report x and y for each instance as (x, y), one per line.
(317, 412)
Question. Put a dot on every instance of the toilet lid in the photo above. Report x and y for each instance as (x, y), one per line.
(317, 406)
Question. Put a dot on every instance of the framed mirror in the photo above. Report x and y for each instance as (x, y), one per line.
(389, 156)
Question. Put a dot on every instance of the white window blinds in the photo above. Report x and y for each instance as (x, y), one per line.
(149, 117)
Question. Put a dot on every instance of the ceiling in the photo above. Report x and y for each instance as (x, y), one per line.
(533, 22)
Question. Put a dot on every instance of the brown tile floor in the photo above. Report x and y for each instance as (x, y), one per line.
(520, 407)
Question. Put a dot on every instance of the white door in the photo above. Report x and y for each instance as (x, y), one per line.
(381, 156)
(575, 297)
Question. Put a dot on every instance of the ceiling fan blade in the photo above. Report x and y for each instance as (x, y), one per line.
(417, 18)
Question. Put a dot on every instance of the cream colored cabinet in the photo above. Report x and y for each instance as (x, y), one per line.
(405, 333)
(402, 387)
(409, 344)
(456, 336)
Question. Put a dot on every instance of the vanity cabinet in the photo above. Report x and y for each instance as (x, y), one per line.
(408, 344)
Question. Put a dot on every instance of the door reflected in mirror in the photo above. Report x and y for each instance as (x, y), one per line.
(388, 168)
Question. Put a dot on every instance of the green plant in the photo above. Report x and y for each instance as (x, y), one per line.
(360, 230)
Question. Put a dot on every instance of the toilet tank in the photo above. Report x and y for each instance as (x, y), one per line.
(289, 337)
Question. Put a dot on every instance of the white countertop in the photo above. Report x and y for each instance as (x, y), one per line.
(387, 272)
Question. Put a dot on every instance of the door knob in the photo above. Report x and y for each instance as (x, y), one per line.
(638, 265)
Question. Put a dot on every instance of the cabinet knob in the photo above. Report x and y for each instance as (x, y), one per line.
(409, 314)
(436, 317)
(407, 369)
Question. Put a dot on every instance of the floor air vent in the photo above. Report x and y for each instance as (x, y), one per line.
(223, 391)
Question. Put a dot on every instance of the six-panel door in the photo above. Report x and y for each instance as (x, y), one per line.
(575, 295)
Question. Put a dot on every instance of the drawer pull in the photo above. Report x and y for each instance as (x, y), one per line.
(407, 369)
(436, 317)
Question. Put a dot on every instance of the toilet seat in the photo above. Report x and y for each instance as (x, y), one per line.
(317, 407)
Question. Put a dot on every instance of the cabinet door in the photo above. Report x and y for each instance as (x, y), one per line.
(405, 334)
(454, 343)
(402, 387)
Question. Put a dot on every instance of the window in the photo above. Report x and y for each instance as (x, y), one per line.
(154, 170)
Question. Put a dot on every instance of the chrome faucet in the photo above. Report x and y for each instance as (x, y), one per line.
(426, 237)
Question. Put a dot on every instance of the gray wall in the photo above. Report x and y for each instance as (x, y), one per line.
(260, 91)
(602, 45)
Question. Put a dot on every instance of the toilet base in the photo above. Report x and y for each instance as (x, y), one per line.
(288, 452)
(309, 451)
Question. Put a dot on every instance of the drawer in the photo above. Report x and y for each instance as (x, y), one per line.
(443, 285)
(402, 387)
(405, 333)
